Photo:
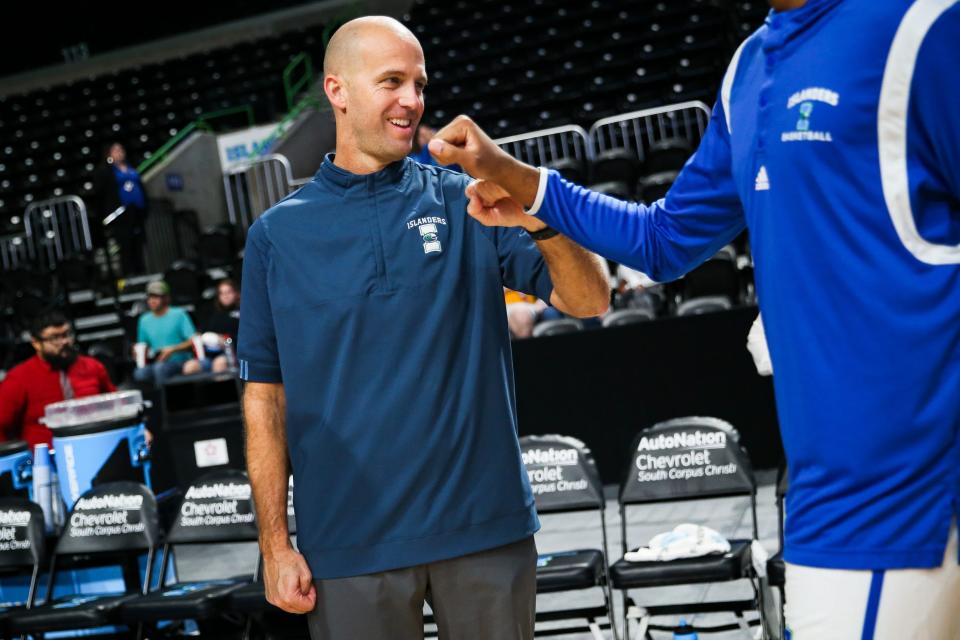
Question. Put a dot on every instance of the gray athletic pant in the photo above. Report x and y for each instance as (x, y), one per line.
(490, 595)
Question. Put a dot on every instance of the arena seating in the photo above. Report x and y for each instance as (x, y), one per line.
(53, 137)
(503, 65)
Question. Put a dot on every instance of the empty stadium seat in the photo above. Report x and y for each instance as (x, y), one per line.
(557, 327)
(186, 282)
(706, 304)
(624, 317)
(615, 165)
(718, 276)
(619, 190)
(570, 168)
(651, 188)
(217, 246)
(666, 155)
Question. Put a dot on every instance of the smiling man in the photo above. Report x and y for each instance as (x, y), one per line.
(374, 343)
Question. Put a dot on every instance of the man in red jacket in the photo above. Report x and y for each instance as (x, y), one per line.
(58, 372)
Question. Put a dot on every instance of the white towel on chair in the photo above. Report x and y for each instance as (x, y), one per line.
(685, 541)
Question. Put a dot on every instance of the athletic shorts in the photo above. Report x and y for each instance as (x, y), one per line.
(896, 604)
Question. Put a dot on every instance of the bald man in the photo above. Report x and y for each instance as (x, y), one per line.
(373, 339)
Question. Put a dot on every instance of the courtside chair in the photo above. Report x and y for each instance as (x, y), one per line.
(693, 458)
(776, 568)
(112, 524)
(216, 509)
(22, 550)
(564, 479)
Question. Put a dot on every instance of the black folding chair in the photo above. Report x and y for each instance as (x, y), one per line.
(22, 549)
(216, 509)
(564, 479)
(113, 523)
(776, 568)
(692, 458)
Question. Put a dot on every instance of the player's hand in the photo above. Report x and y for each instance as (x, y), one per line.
(288, 582)
(463, 142)
(164, 353)
(492, 206)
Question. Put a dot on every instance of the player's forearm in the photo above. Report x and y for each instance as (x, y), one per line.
(625, 232)
(580, 284)
(264, 408)
(519, 179)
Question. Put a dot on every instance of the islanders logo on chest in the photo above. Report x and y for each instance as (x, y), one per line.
(806, 100)
(429, 232)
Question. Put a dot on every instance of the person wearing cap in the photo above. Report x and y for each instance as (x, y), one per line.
(57, 372)
(168, 333)
(374, 347)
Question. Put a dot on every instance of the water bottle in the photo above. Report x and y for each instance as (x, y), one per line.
(42, 484)
(685, 632)
(229, 353)
(58, 509)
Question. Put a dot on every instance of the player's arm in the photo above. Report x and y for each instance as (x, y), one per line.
(287, 579)
(700, 214)
(930, 132)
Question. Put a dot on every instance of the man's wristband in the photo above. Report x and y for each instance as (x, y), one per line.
(541, 190)
(543, 234)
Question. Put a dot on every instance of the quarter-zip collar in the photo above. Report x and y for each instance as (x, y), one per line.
(785, 27)
(340, 180)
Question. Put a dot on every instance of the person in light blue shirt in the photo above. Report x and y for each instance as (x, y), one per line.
(835, 140)
(168, 332)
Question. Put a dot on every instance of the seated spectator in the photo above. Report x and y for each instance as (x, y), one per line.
(223, 322)
(168, 333)
(220, 325)
(523, 311)
(57, 372)
(225, 318)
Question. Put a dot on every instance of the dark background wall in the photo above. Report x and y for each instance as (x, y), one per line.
(604, 386)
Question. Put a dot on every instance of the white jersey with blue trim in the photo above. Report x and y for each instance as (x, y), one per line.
(836, 141)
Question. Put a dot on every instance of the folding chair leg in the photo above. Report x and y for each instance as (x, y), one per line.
(595, 629)
(744, 626)
(642, 633)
